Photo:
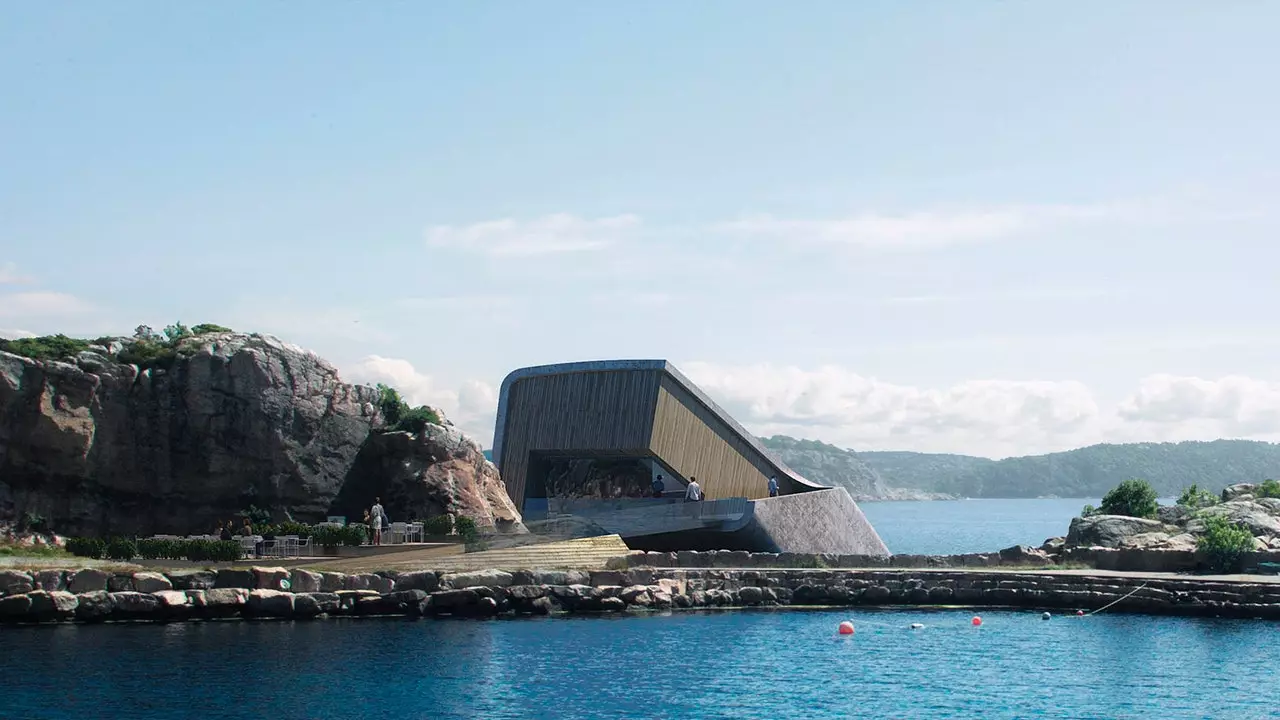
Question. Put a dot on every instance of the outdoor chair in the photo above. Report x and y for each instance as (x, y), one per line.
(398, 530)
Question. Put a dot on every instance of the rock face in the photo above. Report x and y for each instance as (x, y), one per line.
(99, 447)
(1109, 530)
(436, 472)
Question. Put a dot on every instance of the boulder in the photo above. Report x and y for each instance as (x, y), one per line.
(1023, 555)
(1233, 492)
(270, 578)
(193, 580)
(1254, 516)
(382, 584)
(225, 601)
(269, 603)
(120, 582)
(131, 604)
(1173, 514)
(87, 580)
(304, 581)
(305, 605)
(559, 577)
(50, 580)
(15, 607)
(13, 582)
(1145, 540)
(486, 578)
(151, 582)
(751, 595)
(236, 578)
(94, 605)
(1181, 541)
(452, 600)
(405, 601)
(425, 580)
(172, 598)
(326, 601)
(332, 582)
(1108, 530)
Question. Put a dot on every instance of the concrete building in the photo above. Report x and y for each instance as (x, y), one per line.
(586, 440)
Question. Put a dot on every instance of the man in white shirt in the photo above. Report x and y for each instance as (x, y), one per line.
(693, 493)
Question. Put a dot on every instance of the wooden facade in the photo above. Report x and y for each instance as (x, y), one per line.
(627, 408)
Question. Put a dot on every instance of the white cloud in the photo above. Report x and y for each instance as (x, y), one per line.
(9, 275)
(551, 234)
(42, 305)
(931, 229)
(995, 418)
(472, 407)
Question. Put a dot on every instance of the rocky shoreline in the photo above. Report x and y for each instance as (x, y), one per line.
(93, 595)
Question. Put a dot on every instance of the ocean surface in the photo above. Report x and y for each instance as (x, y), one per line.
(737, 664)
(946, 527)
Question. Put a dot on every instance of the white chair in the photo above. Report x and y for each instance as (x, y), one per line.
(248, 545)
(398, 532)
(415, 531)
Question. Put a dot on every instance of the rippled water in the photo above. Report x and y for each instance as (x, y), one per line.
(760, 664)
(945, 527)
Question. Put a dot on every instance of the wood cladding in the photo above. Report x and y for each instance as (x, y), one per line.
(607, 411)
(692, 441)
(627, 413)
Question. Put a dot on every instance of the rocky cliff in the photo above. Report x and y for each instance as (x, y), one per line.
(230, 420)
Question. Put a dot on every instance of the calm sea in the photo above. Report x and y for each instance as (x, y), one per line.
(945, 527)
(751, 664)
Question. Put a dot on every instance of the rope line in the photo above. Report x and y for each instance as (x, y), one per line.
(1104, 607)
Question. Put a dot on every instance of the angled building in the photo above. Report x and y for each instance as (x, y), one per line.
(587, 440)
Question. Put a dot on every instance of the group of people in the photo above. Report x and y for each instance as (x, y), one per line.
(693, 491)
(227, 530)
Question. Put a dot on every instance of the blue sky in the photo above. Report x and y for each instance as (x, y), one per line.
(993, 228)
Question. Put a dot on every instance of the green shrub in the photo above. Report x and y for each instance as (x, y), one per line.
(1268, 489)
(466, 528)
(212, 550)
(48, 347)
(121, 549)
(398, 415)
(438, 525)
(328, 536)
(1225, 543)
(1088, 510)
(33, 522)
(86, 547)
(1134, 498)
(206, 328)
(1195, 498)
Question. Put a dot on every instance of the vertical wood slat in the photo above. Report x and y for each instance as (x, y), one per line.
(607, 411)
(692, 441)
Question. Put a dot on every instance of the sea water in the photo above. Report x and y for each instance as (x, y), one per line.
(727, 664)
(952, 527)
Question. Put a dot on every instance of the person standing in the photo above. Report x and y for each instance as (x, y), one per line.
(693, 493)
(773, 486)
(376, 520)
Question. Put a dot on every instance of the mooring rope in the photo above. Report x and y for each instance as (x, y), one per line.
(1104, 607)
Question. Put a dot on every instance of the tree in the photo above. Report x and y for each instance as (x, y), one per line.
(1224, 543)
(1195, 498)
(1134, 498)
(1268, 489)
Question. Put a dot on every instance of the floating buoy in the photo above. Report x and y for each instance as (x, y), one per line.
(976, 621)
(846, 628)
(1080, 613)
(916, 626)
(1045, 616)
(284, 584)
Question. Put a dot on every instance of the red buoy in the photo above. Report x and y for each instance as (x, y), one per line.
(846, 628)
(1080, 613)
(977, 621)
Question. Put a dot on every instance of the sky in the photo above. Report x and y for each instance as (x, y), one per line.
(976, 227)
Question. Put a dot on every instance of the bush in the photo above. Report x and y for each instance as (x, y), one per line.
(398, 415)
(32, 522)
(328, 536)
(48, 347)
(1268, 489)
(1134, 498)
(1088, 511)
(206, 328)
(120, 549)
(86, 547)
(438, 525)
(466, 528)
(1225, 543)
(211, 550)
(1195, 498)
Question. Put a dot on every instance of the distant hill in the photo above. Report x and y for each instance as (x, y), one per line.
(826, 464)
(1086, 472)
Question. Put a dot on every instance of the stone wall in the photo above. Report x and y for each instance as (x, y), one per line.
(92, 595)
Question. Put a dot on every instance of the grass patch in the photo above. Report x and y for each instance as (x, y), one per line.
(32, 551)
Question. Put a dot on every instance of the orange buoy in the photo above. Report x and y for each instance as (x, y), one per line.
(976, 621)
(846, 628)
